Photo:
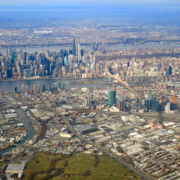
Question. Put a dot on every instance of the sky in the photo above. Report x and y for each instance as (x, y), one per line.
(84, 3)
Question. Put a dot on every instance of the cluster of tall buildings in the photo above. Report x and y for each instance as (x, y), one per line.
(40, 88)
(65, 63)
(151, 103)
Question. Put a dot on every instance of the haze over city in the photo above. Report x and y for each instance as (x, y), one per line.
(90, 89)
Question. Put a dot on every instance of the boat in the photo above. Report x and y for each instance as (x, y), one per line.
(25, 134)
(22, 138)
(18, 139)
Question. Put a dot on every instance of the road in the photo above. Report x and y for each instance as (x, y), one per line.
(98, 111)
(129, 166)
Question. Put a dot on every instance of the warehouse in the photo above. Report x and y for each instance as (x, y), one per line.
(85, 129)
(134, 149)
(15, 169)
(65, 135)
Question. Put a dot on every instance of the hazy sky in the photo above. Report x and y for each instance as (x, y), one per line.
(83, 3)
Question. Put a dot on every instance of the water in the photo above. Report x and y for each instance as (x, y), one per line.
(10, 85)
(25, 121)
(116, 47)
(30, 130)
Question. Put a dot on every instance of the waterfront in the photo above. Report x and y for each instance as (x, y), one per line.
(30, 130)
(115, 47)
(10, 85)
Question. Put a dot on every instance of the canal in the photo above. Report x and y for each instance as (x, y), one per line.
(30, 130)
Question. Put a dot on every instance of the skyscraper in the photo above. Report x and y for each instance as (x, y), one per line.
(121, 97)
(27, 73)
(136, 102)
(89, 99)
(141, 95)
(74, 47)
(27, 89)
(111, 98)
(15, 89)
(43, 88)
(150, 95)
(22, 87)
(170, 70)
(78, 53)
(40, 88)
(154, 104)
(114, 89)
(35, 88)
(49, 88)
(59, 85)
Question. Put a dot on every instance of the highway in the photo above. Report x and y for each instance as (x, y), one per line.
(129, 166)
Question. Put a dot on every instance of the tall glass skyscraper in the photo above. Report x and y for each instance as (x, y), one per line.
(74, 47)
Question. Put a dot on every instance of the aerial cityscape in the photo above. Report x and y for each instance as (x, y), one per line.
(89, 91)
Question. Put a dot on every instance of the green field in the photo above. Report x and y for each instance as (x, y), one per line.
(46, 166)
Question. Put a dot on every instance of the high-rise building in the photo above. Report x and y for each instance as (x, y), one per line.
(22, 88)
(78, 53)
(167, 108)
(27, 73)
(121, 105)
(49, 88)
(2, 92)
(74, 47)
(136, 102)
(9, 51)
(40, 88)
(150, 95)
(114, 89)
(141, 95)
(154, 104)
(27, 89)
(89, 99)
(13, 57)
(15, 89)
(86, 102)
(121, 97)
(35, 88)
(147, 104)
(63, 85)
(43, 88)
(170, 70)
(111, 98)
(59, 85)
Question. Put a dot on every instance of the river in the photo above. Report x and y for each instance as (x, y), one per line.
(10, 85)
(30, 130)
(115, 47)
